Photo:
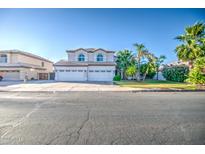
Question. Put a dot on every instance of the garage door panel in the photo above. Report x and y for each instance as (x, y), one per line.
(100, 76)
(72, 76)
(11, 76)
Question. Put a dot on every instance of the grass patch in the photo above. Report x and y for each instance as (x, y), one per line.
(156, 84)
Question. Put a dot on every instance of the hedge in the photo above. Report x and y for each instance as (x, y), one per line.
(176, 73)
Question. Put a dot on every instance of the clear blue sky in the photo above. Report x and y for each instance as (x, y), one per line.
(49, 32)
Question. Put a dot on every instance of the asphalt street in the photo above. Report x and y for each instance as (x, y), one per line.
(102, 118)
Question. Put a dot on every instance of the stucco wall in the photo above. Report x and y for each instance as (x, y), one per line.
(77, 53)
(30, 74)
(71, 56)
(12, 58)
(35, 61)
(100, 52)
(110, 57)
(92, 57)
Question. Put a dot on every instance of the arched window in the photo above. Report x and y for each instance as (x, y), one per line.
(99, 57)
(3, 58)
(81, 57)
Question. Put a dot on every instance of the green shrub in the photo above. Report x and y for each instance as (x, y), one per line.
(117, 78)
(176, 73)
(197, 74)
(151, 73)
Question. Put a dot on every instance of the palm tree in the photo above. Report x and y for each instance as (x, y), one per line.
(150, 64)
(195, 32)
(124, 60)
(193, 43)
(159, 61)
(141, 52)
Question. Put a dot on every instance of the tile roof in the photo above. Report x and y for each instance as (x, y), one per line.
(25, 53)
(90, 50)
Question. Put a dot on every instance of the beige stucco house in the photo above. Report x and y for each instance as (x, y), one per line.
(86, 64)
(18, 65)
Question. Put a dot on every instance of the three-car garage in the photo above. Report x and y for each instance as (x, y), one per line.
(90, 73)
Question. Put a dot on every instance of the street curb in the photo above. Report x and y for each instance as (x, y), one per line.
(168, 90)
(132, 91)
(165, 90)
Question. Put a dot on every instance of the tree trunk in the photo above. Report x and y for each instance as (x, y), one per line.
(145, 74)
(122, 74)
(138, 70)
(157, 73)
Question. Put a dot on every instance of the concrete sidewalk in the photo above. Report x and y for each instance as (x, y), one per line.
(61, 86)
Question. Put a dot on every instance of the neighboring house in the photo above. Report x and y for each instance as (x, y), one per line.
(178, 63)
(19, 65)
(87, 64)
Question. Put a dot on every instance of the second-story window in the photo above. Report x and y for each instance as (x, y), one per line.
(99, 57)
(42, 64)
(3, 58)
(81, 57)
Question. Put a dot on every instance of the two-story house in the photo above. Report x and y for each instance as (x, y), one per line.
(86, 64)
(19, 65)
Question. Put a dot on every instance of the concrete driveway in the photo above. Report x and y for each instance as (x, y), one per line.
(60, 86)
(102, 118)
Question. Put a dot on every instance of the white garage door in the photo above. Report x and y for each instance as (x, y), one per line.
(11, 75)
(100, 75)
(71, 75)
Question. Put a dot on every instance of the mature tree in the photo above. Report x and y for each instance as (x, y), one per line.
(141, 53)
(124, 60)
(193, 43)
(158, 62)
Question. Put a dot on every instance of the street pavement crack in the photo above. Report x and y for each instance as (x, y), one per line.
(70, 135)
(21, 120)
(82, 126)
